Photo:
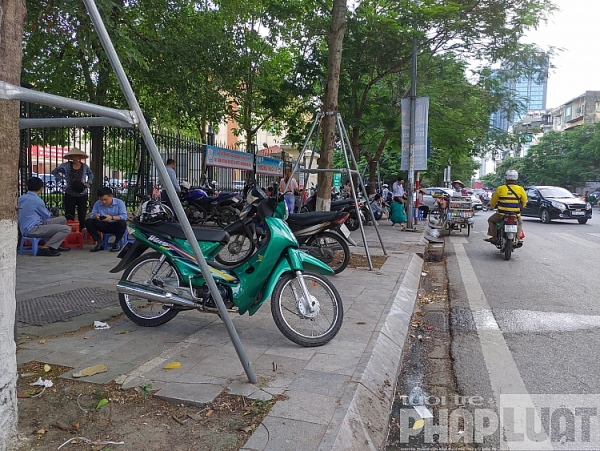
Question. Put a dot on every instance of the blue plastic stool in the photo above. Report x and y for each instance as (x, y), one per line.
(123, 241)
(35, 242)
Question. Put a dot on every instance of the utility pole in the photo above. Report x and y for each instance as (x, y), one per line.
(411, 150)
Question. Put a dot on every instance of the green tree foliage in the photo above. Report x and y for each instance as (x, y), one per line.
(567, 159)
(376, 69)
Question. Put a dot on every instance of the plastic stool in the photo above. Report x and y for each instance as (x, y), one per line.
(34, 245)
(74, 226)
(122, 242)
(87, 238)
(74, 239)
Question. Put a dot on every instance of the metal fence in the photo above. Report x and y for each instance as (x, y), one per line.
(125, 164)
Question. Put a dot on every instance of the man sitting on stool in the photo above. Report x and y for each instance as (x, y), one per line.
(107, 216)
(35, 221)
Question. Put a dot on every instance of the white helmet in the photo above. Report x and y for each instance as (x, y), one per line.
(511, 174)
(185, 185)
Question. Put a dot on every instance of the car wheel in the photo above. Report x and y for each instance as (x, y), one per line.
(582, 220)
(545, 216)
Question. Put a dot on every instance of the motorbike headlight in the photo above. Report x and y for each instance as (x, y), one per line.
(588, 206)
(559, 205)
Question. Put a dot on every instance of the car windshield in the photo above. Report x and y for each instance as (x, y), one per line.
(556, 193)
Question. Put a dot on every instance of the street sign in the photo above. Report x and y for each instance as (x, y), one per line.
(337, 180)
(421, 125)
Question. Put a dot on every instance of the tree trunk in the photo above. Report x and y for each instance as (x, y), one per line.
(335, 40)
(12, 18)
(373, 161)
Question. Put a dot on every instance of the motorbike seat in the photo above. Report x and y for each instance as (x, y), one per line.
(312, 218)
(341, 203)
(175, 230)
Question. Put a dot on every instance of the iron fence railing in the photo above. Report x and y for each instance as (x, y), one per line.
(126, 166)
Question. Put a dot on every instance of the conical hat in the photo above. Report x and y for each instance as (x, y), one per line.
(75, 152)
(459, 182)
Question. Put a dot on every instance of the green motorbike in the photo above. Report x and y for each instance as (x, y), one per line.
(157, 285)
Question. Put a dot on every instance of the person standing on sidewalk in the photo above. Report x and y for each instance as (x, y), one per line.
(35, 221)
(108, 216)
(78, 178)
(173, 180)
(289, 195)
(398, 189)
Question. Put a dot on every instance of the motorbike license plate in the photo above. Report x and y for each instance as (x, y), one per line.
(345, 230)
(578, 213)
(510, 228)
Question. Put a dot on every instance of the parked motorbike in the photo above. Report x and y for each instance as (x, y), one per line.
(157, 285)
(322, 234)
(506, 234)
(345, 205)
(200, 207)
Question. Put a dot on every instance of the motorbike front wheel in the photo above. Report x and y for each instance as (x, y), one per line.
(305, 328)
(352, 221)
(226, 216)
(331, 249)
(145, 312)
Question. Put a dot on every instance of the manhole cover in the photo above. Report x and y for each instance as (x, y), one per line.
(62, 306)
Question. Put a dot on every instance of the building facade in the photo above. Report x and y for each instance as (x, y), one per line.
(584, 109)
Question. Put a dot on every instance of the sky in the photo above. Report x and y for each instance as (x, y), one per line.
(574, 28)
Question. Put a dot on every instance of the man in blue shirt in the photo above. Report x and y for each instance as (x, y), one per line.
(108, 216)
(35, 221)
(172, 179)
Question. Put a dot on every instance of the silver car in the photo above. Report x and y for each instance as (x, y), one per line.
(428, 195)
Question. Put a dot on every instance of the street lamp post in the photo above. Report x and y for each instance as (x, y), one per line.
(411, 149)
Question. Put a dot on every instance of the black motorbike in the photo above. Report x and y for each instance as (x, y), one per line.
(506, 235)
(345, 205)
(321, 234)
(200, 207)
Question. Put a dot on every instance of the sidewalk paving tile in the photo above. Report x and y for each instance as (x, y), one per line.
(337, 396)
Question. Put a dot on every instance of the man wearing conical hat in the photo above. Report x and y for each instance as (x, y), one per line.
(78, 178)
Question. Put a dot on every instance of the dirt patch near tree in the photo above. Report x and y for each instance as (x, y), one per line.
(360, 261)
(89, 416)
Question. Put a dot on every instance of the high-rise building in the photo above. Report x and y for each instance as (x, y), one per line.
(530, 91)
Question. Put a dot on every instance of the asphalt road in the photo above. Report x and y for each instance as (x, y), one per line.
(530, 326)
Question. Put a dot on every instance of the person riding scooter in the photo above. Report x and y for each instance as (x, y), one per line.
(508, 198)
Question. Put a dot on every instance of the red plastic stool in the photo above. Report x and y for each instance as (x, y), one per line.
(73, 240)
(74, 226)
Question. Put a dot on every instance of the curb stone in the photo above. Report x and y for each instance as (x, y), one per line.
(360, 422)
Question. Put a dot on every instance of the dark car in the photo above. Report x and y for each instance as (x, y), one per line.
(554, 202)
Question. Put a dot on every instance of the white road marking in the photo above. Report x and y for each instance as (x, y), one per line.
(502, 369)
(574, 239)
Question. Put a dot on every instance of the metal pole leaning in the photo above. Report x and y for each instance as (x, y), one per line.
(149, 140)
(340, 126)
(347, 139)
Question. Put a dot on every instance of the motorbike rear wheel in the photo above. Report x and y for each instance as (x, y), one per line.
(304, 328)
(507, 249)
(239, 248)
(145, 312)
(195, 214)
(330, 248)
